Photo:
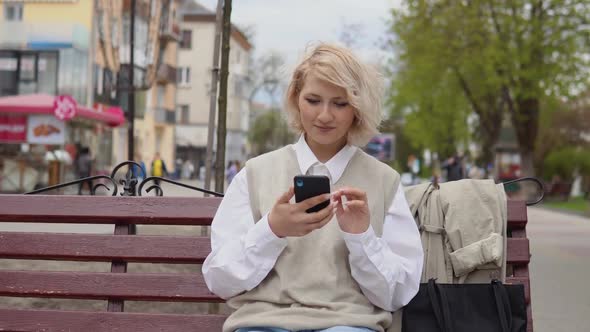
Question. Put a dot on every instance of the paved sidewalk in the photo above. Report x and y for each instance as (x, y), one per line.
(560, 270)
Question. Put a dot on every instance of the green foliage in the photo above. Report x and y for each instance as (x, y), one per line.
(486, 57)
(564, 162)
(269, 132)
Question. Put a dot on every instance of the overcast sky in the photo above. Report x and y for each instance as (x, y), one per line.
(289, 25)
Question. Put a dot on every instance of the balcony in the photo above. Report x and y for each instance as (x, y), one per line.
(169, 29)
(164, 116)
(166, 74)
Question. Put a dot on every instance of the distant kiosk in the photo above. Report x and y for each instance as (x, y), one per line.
(382, 147)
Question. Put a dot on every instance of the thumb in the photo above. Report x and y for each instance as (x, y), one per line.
(286, 197)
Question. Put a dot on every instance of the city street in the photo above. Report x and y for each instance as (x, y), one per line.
(560, 270)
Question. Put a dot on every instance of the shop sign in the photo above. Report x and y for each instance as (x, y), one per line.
(13, 129)
(45, 129)
(64, 107)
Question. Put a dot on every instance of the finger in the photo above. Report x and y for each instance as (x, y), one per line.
(352, 194)
(313, 201)
(315, 217)
(324, 221)
(286, 197)
(355, 205)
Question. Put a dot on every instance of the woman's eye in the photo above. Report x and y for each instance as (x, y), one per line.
(341, 104)
(312, 101)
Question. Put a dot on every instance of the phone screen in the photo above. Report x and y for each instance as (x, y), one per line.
(307, 186)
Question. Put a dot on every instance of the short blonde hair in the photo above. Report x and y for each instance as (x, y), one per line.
(339, 66)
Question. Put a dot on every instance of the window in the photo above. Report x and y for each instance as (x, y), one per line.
(27, 67)
(160, 93)
(13, 12)
(183, 76)
(114, 33)
(183, 114)
(99, 81)
(186, 39)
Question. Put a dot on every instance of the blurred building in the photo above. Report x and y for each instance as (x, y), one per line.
(82, 48)
(156, 39)
(194, 85)
(45, 51)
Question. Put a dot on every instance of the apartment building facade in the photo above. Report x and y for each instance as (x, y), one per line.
(195, 60)
(156, 40)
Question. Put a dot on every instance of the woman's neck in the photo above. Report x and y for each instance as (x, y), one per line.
(324, 152)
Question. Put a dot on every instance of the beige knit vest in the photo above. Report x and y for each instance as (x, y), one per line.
(311, 286)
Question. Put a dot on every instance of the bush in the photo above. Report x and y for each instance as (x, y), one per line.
(564, 162)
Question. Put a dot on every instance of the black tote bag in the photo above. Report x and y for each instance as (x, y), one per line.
(493, 307)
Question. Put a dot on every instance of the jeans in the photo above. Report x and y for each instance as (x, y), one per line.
(331, 329)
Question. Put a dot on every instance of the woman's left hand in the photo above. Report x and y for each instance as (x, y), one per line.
(353, 214)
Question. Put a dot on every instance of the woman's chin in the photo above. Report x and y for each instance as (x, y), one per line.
(326, 139)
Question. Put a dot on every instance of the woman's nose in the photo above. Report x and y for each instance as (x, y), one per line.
(325, 113)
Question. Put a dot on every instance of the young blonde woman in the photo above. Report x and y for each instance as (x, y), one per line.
(344, 268)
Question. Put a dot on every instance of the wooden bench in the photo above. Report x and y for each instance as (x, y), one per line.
(558, 190)
(118, 285)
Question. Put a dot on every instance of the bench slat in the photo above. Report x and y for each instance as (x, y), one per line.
(103, 286)
(52, 320)
(518, 251)
(198, 211)
(517, 214)
(136, 248)
(92, 247)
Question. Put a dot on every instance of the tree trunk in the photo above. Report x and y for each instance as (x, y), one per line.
(526, 125)
(527, 165)
(490, 127)
(221, 125)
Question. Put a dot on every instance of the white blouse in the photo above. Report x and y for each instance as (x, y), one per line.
(387, 268)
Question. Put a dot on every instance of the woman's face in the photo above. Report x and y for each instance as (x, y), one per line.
(325, 113)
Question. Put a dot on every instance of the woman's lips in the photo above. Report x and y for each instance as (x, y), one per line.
(324, 129)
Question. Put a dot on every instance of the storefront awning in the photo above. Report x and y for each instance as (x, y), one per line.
(44, 104)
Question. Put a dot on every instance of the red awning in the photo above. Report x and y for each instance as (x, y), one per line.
(43, 104)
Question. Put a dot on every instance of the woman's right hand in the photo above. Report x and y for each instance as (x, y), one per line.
(286, 219)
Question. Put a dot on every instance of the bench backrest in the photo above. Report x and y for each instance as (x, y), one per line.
(119, 249)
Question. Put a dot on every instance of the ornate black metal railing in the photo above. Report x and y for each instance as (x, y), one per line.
(129, 183)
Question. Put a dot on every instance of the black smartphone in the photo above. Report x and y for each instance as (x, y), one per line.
(308, 186)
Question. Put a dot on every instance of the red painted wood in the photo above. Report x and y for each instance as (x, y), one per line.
(519, 233)
(117, 305)
(53, 321)
(108, 209)
(91, 247)
(518, 251)
(104, 285)
(517, 215)
(521, 271)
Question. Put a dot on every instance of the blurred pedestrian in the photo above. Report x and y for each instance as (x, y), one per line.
(231, 171)
(454, 167)
(83, 167)
(139, 172)
(159, 168)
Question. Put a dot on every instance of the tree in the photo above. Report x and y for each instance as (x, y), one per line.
(351, 34)
(563, 126)
(270, 131)
(222, 98)
(264, 74)
(496, 56)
